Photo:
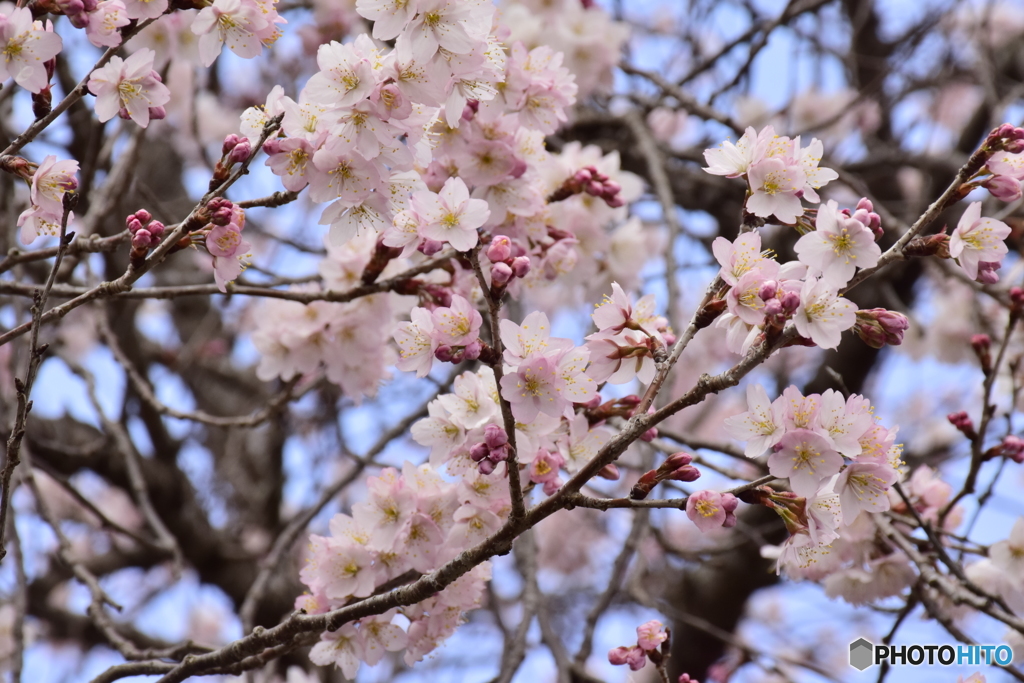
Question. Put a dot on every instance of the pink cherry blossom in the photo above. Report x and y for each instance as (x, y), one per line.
(762, 426)
(978, 239)
(823, 315)
(863, 486)
(532, 337)
(129, 85)
(25, 47)
(777, 187)
(105, 22)
(733, 160)
(738, 257)
(50, 181)
(837, 247)
(145, 9)
(651, 635)
(450, 216)
(706, 509)
(235, 22)
(806, 458)
(416, 343)
(230, 253)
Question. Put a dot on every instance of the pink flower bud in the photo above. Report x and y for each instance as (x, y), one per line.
(123, 114)
(790, 302)
(486, 466)
(612, 188)
(676, 460)
(240, 152)
(1003, 187)
(501, 273)
(143, 216)
(444, 353)
(430, 247)
(685, 678)
(229, 143)
(609, 472)
(521, 266)
(594, 188)
(156, 228)
(272, 146)
(472, 350)
(1013, 448)
(650, 435)
(686, 473)
(987, 274)
(479, 452)
(981, 343)
(495, 436)
(582, 176)
(518, 168)
(500, 249)
(768, 290)
(157, 113)
(615, 202)
(142, 239)
(134, 224)
(499, 454)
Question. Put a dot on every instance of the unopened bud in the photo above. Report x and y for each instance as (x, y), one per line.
(240, 152)
(142, 239)
(987, 274)
(1003, 187)
(962, 422)
(156, 228)
(1013, 448)
(134, 224)
(229, 143)
(495, 436)
(521, 266)
(982, 345)
(501, 273)
(430, 247)
(500, 249)
(486, 466)
(444, 353)
(479, 452)
(609, 472)
(157, 113)
(790, 302)
(650, 435)
(472, 350)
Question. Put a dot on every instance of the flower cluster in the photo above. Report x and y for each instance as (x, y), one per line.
(627, 339)
(838, 460)
(50, 181)
(412, 522)
(977, 244)
(348, 339)
(779, 172)
(650, 638)
(246, 26)
(464, 433)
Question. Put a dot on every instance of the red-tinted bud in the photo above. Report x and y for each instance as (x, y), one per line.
(157, 113)
(486, 466)
(229, 143)
(240, 152)
(501, 273)
(479, 452)
(1013, 448)
(472, 350)
(609, 472)
(134, 225)
(156, 228)
(963, 422)
(521, 266)
(444, 353)
(500, 249)
(142, 239)
(430, 247)
(495, 436)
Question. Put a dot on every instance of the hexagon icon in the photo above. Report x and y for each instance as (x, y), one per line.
(861, 654)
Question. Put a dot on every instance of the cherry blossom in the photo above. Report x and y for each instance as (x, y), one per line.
(762, 426)
(51, 180)
(806, 458)
(977, 240)
(130, 87)
(823, 315)
(25, 47)
(237, 23)
(450, 215)
(837, 247)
